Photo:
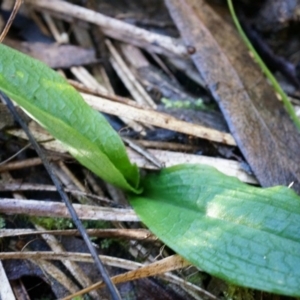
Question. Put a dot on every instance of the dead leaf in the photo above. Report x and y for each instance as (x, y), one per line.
(261, 127)
(55, 55)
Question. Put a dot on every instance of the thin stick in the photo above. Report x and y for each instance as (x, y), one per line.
(111, 287)
(116, 29)
(53, 209)
(10, 20)
(16, 154)
(131, 234)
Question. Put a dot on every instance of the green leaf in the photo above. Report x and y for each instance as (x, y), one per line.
(246, 235)
(59, 108)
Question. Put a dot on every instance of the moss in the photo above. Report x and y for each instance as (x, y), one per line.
(2, 223)
(53, 223)
(196, 278)
(106, 243)
(186, 104)
(238, 293)
(62, 223)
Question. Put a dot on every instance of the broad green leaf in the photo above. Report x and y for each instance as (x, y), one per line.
(246, 235)
(59, 108)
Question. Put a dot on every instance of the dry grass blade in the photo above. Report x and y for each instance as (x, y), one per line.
(165, 265)
(55, 272)
(10, 20)
(72, 266)
(17, 186)
(111, 261)
(132, 234)
(157, 119)
(16, 165)
(129, 80)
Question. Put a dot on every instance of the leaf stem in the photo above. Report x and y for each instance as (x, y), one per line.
(287, 104)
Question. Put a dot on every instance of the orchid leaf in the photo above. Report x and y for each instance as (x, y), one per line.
(246, 235)
(48, 98)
